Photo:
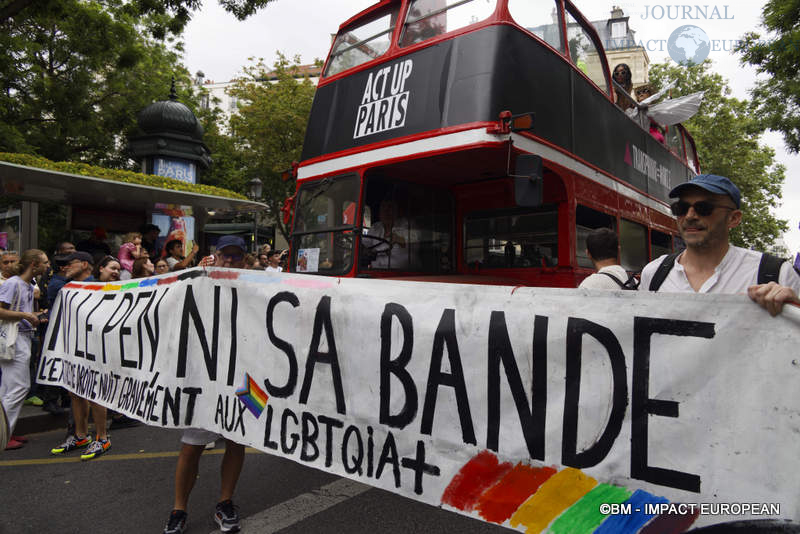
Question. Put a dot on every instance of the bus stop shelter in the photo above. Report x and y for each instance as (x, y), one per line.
(99, 201)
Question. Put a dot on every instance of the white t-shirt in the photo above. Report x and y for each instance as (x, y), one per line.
(601, 281)
(737, 271)
(274, 269)
(172, 262)
(398, 253)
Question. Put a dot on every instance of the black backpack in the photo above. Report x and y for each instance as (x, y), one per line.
(769, 269)
(631, 284)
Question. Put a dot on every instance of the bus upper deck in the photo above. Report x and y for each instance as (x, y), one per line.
(409, 111)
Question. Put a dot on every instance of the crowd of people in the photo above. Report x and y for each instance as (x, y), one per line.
(29, 285)
(37, 280)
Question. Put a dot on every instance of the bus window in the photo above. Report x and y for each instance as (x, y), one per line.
(407, 227)
(586, 220)
(429, 18)
(585, 54)
(322, 240)
(674, 141)
(363, 42)
(659, 244)
(632, 245)
(541, 18)
(512, 238)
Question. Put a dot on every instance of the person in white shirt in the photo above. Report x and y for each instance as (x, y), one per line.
(274, 259)
(602, 246)
(386, 241)
(707, 209)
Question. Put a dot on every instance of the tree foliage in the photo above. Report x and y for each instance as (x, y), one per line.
(777, 100)
(74, 74)
(727, 133)
(270, 126)
(164, 16)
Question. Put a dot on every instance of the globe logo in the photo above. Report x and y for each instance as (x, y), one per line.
(688, 45)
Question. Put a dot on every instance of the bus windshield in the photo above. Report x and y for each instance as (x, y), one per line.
(324, 220)
(429, 18)
(406, 227)
(362, 42)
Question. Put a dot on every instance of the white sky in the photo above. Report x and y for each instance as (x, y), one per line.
(220, 46)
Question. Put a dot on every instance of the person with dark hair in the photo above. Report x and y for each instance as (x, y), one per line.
(707, 209)
(602, 247)
(274, 258)
(161, 266)
(107, 269)
(95, 244)
(16, 304)
(142, 268)
(175, 257)
(230, 254)
(64, 248)
(623, 77)
(149, 234)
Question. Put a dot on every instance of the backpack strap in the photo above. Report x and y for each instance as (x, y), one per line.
(663, 270)
(769, 269)
(619, 282)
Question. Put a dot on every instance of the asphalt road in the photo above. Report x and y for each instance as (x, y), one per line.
(129, 490)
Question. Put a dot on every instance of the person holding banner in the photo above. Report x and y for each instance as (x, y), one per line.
(707, 209)
(79, 269)
(230, 254)
(16, 306)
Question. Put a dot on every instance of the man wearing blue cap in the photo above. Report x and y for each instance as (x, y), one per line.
(230, 254)
(707, 209)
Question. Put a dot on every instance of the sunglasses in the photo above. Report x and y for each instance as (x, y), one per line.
(233, 257)
(703, 208)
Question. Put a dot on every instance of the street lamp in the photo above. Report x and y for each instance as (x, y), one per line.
(254, 187)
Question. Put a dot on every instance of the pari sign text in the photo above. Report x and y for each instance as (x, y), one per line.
(384, 104)
(522, 406)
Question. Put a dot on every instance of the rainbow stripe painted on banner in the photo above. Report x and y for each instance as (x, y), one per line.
(217, 274)
(545, 499)
(252, 396)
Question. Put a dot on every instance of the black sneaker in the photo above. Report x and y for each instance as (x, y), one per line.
(227, 516)
(176, 523)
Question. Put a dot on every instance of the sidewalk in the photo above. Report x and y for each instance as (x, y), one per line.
(32, 419)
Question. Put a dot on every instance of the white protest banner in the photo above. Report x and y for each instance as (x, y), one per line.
(538, 409)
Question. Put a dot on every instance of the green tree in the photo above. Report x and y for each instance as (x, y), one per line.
(165, 16)
(727, 134)
(777, 100)
(73, 76)
(270, 126)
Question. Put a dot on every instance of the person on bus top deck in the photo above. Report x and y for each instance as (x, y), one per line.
(643, 92)
(392, 232)
(622, 75)
(602, 246)
(707, 209)
(230, 253)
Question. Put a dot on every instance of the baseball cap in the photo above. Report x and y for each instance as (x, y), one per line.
(77, 255)
(231, 241)
(712, 183)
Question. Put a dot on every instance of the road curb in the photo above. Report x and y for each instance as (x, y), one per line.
(33, 420)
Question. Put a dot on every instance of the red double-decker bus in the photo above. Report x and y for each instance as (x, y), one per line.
(477, 141)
